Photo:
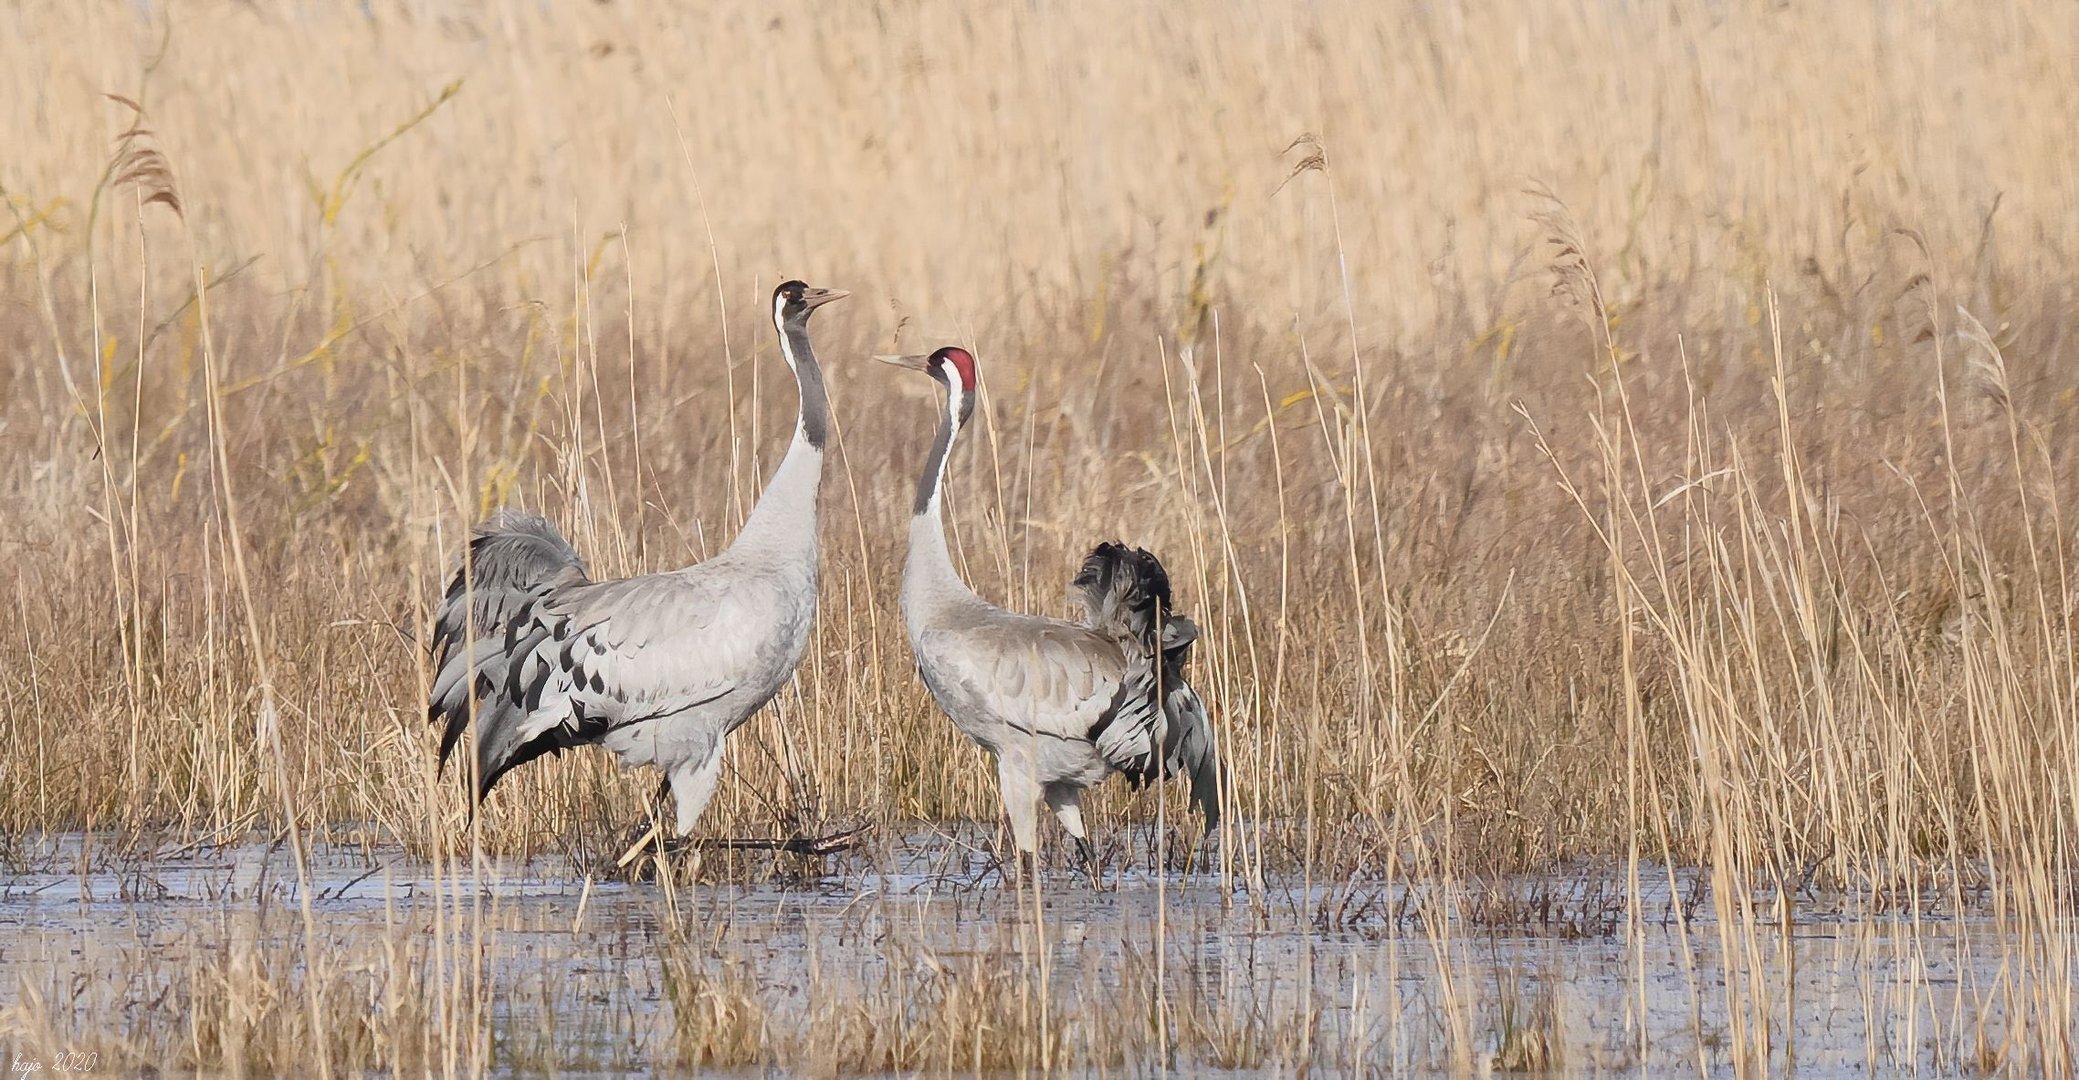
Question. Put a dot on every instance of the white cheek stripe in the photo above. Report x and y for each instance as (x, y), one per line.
(779, 322)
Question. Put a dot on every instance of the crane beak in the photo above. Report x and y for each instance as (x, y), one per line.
(918, 362)
(815, 298)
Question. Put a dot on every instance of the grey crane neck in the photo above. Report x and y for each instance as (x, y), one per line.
(929, 580)
(808, 374)
(783, 523)
(933, 479)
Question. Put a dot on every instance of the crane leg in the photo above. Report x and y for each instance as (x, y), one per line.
(694, 784)
(1086, 853)
(647, 831)
(1064, 801)
(1021, 799)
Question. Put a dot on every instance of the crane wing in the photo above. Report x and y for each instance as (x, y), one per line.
(575, 660)
(1036, 676)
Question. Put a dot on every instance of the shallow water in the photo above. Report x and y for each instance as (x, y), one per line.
(1265, 979)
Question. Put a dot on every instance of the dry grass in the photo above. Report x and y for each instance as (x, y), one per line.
(1637, 435)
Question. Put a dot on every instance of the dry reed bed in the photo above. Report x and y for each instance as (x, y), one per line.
(1710, 513)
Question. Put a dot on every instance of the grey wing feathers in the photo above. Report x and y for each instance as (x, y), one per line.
(1125, 594)
(1187, 745)
(514, 560)
(511, 557)
(1188, 748)
(1034, 675)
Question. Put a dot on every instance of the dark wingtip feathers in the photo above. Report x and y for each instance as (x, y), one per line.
(1125, 591)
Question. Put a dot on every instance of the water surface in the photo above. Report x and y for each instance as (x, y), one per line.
(582, 976)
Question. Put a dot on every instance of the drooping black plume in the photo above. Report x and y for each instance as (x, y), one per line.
(1125, 592)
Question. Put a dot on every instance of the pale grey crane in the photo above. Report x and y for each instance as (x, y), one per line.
(658, 669)
(1060, 704)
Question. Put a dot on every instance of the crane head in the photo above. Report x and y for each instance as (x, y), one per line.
(793, 300)
(951, 365)
(954, 368)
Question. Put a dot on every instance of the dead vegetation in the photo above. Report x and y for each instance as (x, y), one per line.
(1701, 507)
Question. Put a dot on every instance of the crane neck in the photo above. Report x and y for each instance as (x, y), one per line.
(784, 520)
(932, 481)
(814, 424)
(928, 572)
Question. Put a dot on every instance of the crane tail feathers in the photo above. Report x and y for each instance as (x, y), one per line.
(1125, 594)
(514, 559)
(1188, 749)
